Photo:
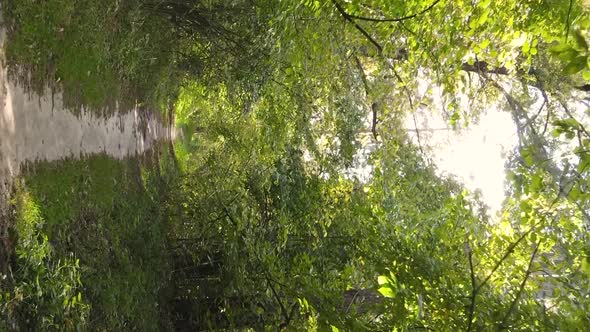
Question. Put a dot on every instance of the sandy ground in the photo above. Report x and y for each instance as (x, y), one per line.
(38, 127)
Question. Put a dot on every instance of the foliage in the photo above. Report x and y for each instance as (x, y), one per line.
(434, 254)
(101, 210)
(274, 219)
(44, 291)
(98, 52)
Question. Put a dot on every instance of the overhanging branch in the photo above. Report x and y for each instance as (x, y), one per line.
(374, 105)
(364, 32)
(527, 274)
(397, 19)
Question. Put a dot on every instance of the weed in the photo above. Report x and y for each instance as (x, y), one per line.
(43, 290)
(98, 52)
(99, 210)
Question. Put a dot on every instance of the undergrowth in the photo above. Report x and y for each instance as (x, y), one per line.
(99, 53)
(90, 247)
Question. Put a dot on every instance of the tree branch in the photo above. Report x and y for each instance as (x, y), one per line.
(374, 105)
(398, 19)
(474, 289)
(545, 102)
(417, 132)
(483, 67)
(521, 288)
(276, 295)
(569, 113)
(567, 22)
(350, 19)
(508, 252)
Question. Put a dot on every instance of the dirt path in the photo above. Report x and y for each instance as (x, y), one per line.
(38, 127)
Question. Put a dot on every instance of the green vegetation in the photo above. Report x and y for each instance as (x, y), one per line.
(45, 291)
(90, 250)
(97, 52)
(254, 220)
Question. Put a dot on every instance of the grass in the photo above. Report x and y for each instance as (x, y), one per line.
(42, 290)
(99, 225)
(97, 52)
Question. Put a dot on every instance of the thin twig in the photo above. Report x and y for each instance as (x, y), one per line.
(567, 21)
(521, 288)
(276, 295)
(541, 88)
(417, 133)
(350, 19)
(474, 290)
(397, 19)
(477, 288)
(508, 252)
(374, 105)
(569, 113)
(546, 121)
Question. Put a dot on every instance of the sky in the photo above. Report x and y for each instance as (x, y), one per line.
(476, 155)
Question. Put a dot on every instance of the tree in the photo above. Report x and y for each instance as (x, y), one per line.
(271, 224)
(301, 236)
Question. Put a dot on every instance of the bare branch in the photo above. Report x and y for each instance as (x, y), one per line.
(417, 132)
(483, 67)
(474, 289)
(277, 297)
(374, 108)
(350, 19)
(374, 105)
(508, 252)
(397, 19)
(520, 289)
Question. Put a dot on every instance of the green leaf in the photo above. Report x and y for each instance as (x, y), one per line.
(567, 124)
(386, 291)
(586, 265)
(455, 117)
(536, 183)
(526, 47)
(382, 280)
(584, 164)
(580, 40)
(576, 65)
(484, 17)
(484, 3)
(528, 157)
(484, 43)
(564, 52)
(559, 48)
(575, 193)
(584, 22)
(556, 132)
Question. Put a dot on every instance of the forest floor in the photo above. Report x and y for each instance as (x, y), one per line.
(38, 127)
